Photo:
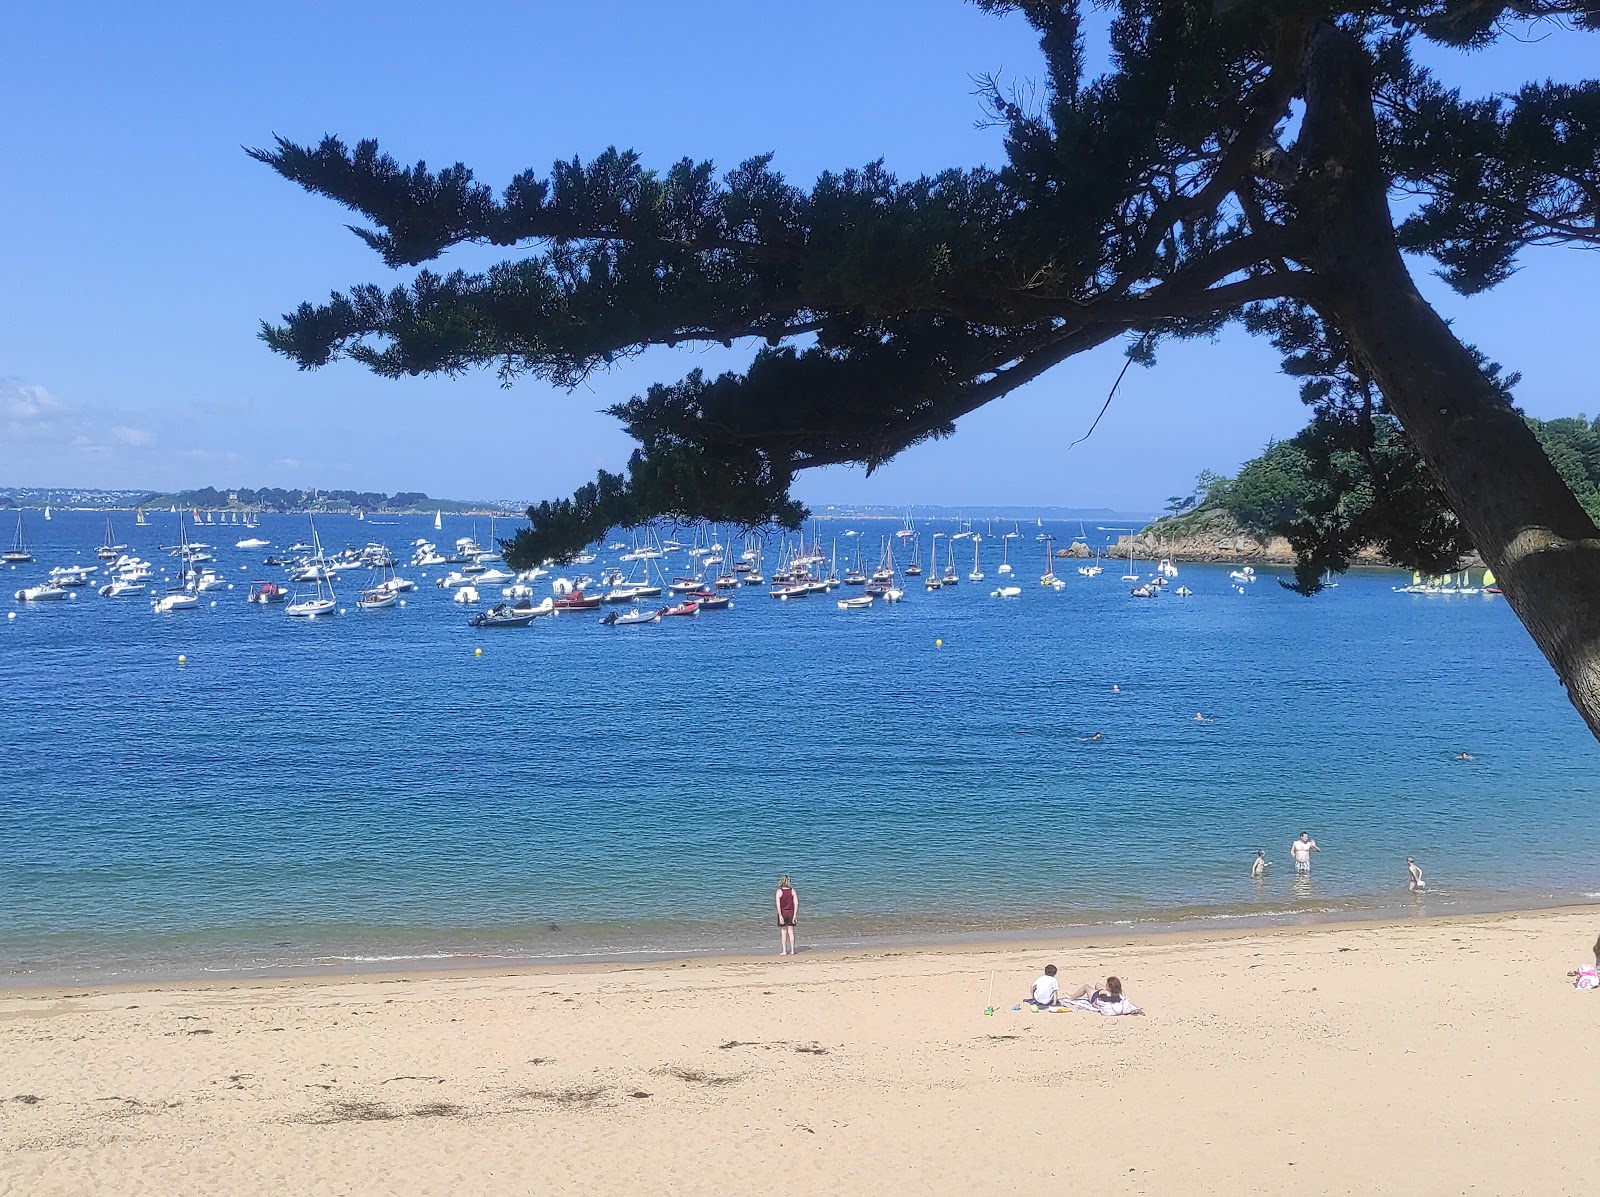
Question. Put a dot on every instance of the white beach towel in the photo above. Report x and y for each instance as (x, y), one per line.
(1109, 1009)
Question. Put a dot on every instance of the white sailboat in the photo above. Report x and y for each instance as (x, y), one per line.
(19, 553)
(977, 574)
(322, 603)
(1048, 578)
(438, 520)
(1005, 555)
(47, 516)
(1130, 576)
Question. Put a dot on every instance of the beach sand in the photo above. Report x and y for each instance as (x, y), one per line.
(1423, 1057)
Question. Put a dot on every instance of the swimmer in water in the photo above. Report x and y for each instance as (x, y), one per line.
(1259, 866)
(1416, 876)
(1464, 756)
(1116, 689)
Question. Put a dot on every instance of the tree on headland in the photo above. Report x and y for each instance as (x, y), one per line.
(1234, 164)
(1332, 493)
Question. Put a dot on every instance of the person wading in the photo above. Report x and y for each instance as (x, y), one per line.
(788, 903)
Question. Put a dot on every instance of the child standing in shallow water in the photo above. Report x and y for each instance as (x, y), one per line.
(788, 903)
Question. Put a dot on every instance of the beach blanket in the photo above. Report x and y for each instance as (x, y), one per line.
(1110, 1009)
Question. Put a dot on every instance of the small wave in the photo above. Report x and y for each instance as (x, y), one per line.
(394, 959)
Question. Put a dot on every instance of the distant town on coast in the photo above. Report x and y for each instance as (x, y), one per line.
(314, 501)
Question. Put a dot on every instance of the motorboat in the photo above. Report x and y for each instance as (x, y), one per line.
(614, 620)
(859, 602)
(577, 600)
(467, 594)
(254, 542)
(1183, 592)
(71, 575)
(122, 588)
(267, 592)
(379, 598)
(503, 615)
(716, 602)
(1145, 591)
(177, 600)
(1006, 592)
(689, 608)
(1246, 574)
(42, 594)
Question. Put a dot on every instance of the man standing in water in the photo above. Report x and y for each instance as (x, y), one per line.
(1416, 875)
(1301, 849)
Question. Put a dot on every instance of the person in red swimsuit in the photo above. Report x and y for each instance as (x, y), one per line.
(788, 903)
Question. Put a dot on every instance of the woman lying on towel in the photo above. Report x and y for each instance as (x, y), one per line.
(1106, 998)
(1589, 975)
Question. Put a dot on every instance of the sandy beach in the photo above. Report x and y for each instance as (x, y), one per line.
(1447, 1056)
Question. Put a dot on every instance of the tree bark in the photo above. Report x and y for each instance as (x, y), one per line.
(1521, 516)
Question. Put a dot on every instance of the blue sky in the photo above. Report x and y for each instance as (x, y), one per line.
(142, 247)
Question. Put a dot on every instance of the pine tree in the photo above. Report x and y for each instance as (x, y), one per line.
(1235, 164)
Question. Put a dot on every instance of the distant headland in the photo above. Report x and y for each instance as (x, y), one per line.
(264, 500)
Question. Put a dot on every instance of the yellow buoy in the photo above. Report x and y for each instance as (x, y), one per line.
(938, 644)
(477, 652)
(182, 660)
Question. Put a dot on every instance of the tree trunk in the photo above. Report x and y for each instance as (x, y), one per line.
(1521, 516)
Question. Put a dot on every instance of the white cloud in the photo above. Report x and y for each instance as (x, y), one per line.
(23, 402)
(138, 438)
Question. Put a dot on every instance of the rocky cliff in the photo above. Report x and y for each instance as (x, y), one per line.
(1210, 534)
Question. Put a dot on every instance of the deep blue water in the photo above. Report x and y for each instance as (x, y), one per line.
(365, 786)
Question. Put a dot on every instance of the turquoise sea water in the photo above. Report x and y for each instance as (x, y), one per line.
(364, 789)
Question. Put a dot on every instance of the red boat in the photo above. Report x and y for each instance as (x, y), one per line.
(682, 609)
(577, 601)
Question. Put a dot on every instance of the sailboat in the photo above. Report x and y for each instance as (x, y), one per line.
(950, 575)
(854, 576)
(1048, 578)
(47, 514)
(18, 553)
(438, 520)
(1130, 576)
(932, 581)
(1005, 555)
(109, 550)
(1490, 586)
(322, 604)
(183, 596)
(914, 570)
(138, 517)
(977, 574)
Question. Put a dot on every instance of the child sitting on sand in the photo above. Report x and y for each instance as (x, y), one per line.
(1045, 990)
